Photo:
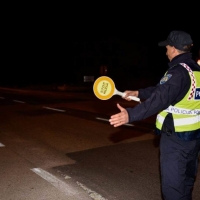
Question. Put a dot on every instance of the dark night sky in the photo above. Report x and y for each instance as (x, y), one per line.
(39, 42)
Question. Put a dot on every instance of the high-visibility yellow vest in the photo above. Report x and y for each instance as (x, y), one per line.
(185, 113)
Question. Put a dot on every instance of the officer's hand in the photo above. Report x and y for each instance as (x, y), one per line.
(130, 93)
(120, 118)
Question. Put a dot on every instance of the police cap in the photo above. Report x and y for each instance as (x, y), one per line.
(178, 39)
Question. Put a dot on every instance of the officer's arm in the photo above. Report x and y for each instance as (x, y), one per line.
(145, 93)
(161, 97)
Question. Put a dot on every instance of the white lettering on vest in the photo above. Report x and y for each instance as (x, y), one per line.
(197, 94)
(175, 110)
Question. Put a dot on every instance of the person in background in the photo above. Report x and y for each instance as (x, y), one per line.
(176, 101)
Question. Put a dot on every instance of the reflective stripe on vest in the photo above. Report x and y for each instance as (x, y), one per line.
(193, 81)
(176, 110)
(182, 121)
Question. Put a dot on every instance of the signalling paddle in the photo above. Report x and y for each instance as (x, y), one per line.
(104, 88)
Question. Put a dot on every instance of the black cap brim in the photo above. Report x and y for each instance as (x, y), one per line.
(163, 43)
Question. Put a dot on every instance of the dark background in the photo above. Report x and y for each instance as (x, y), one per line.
(39, 38)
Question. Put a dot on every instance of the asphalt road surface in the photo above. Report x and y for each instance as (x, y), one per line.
(59, 145)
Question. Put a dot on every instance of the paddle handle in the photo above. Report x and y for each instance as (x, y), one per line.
(130, 97)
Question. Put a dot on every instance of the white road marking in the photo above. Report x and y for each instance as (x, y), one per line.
(62, 186)
(67, 177)
(54, 109)
(99, 118)
(18, 101)
(2, 98)
(91, 193)
(2, 145)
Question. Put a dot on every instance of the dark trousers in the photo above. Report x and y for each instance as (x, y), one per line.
(178, 164)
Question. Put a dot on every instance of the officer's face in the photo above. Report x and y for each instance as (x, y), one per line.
(171, 52)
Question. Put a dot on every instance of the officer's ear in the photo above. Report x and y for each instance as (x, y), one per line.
(175, 51)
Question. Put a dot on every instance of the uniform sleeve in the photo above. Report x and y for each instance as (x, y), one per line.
(169, 89)
(145, 93)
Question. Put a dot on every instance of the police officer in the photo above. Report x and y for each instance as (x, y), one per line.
(176, 101)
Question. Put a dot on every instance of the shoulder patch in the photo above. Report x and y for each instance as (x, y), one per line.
(165, 78)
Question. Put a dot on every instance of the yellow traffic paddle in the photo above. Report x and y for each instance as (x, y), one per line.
(104, 89)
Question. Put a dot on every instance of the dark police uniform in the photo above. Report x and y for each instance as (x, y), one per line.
(178, 150)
